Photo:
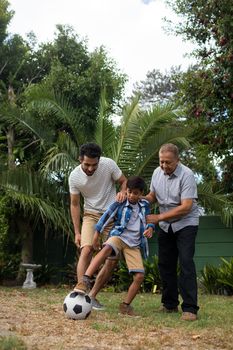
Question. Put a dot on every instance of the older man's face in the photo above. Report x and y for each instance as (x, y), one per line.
(168, 162)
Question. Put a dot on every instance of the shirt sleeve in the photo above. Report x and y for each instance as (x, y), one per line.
(116, 171)
(72, 184)
(189, 188)
(106, 217)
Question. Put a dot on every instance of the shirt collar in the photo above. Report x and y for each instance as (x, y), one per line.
(140, 203)
(176, 172)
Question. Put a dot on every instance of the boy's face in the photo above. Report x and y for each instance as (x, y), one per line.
(133, 195)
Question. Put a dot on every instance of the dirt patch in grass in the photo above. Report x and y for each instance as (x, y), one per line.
(39, 321)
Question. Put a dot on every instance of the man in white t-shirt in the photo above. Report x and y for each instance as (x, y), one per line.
(95, 179)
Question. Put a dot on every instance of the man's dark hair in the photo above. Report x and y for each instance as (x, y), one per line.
(90, 150)
(136, 182)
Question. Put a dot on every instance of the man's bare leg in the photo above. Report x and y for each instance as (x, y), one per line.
(84, 261)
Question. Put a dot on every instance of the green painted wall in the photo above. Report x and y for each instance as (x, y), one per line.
(214, 240)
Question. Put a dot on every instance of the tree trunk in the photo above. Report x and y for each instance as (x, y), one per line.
(10, 132)
(10, 146)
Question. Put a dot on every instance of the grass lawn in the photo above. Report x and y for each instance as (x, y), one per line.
(34, 319)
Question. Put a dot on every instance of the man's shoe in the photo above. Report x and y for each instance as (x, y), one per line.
(188, 316)
(96, 305)
(166, 310)
(127, 310)
(84, 286)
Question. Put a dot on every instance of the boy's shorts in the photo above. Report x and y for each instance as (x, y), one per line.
(90, 219)
(132, 255)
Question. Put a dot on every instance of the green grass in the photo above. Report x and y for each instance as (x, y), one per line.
(215, 311)
(11, 343)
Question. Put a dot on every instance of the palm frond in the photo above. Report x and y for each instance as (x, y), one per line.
(216, 203)
(36, 196)
(105, 134)
(124, 141)
(142, 135)
(45, 101)
(23, 121)
(61, 157)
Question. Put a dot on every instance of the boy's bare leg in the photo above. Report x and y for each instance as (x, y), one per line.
(98, 260)
(103, 276)
(134, 287)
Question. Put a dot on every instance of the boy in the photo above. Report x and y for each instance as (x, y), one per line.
(128, 235)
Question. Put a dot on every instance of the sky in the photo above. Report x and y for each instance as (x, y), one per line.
(130, 30)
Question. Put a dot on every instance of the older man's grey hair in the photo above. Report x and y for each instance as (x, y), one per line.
(170, 147)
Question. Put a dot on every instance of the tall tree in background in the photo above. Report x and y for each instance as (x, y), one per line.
(80, 76)
(158, 87)
(206, 90)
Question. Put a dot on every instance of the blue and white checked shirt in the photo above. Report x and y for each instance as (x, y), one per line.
(121, 214)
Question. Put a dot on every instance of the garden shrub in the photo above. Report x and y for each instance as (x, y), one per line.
(218, 280)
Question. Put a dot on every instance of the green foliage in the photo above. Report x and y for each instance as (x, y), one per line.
(80, 76)
(226, 275)
(209, 280)
(217, 203)
(218, 280)
(9, 266)
(46, 274)
(152, 276)
(121, 279)
(158, 87)
(9, 256)
(5, 17)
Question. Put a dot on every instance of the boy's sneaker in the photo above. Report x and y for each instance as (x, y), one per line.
(96, 305)
(127, 310)
(84, 286)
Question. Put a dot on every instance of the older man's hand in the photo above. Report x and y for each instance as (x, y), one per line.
(152, 219)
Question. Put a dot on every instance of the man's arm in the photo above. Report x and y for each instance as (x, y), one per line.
(75, 215)
(121, 196)
(181, 210)
(150, 197)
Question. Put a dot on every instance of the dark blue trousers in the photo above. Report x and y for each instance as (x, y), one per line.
(174, 247)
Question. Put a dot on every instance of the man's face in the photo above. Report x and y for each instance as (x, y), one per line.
(89, 165)
(168, 162)
(133, 195)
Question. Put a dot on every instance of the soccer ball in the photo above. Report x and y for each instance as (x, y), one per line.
(77, 306)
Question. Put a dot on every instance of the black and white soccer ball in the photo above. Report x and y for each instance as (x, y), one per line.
(77, 306)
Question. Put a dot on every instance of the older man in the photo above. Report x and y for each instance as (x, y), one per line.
(173, 186)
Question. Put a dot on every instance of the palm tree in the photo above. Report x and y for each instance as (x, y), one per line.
(33, 199)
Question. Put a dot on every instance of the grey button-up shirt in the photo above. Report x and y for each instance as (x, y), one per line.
(170, 190)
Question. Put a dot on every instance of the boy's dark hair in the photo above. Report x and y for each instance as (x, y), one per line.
(90, 150)
(136, 182)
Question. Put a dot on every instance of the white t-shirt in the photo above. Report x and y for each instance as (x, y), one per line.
(98, 190)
